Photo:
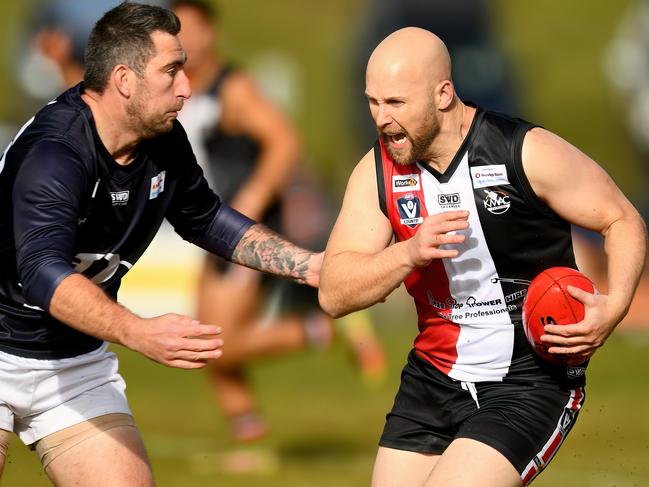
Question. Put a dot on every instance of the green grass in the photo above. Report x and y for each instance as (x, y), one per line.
(326, 423)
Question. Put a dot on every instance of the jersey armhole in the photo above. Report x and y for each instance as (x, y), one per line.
(517, 158)
(218, 81)
(380, 181)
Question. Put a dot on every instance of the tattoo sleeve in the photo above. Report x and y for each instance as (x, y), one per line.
(262, 249)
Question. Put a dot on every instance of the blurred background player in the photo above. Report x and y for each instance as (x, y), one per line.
(250, 152)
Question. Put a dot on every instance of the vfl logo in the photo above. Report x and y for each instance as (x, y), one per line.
(496, 202)
(409, 210)
(157, 185)
(405, 182)
(119, 198)
(449, 200)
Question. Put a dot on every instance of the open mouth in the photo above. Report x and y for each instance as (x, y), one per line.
(396, 140)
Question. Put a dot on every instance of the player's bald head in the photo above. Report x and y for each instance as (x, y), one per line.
(412, 52)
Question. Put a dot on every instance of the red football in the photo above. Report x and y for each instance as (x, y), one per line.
(548, 303)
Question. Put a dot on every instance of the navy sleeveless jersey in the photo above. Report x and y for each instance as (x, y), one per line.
(66, 206)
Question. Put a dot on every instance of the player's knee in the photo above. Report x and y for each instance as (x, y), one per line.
(52, 446)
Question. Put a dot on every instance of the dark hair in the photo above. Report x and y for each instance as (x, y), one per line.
(123, 36)
(208, 11)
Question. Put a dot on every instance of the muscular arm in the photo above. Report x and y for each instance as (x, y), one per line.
(262, 249)
(171, 339)
(361, 268)
(247, 112)
(581, 192)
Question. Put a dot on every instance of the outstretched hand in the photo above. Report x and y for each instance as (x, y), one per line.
(578, 342)
(435, 231)
(176, 341)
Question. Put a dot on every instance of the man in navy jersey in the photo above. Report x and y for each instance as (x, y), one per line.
(84, 187)
(478, 204)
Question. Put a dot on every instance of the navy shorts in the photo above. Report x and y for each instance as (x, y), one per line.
(526, 419)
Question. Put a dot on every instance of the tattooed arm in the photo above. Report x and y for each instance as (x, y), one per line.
(262, 249)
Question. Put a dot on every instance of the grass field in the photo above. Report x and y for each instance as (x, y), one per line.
(326, 423)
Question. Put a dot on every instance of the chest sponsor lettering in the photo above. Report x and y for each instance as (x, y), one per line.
(404, 183)
(484, 176)
(496, 202)
(448, 201)
(119, 198)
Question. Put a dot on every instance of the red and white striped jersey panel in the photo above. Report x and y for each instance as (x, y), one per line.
(485, 342)
(465, 329)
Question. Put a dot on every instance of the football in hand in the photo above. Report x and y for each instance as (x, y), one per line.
(548, 303)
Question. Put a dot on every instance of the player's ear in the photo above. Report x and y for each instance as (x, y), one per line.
(124, 80)
(444, 94)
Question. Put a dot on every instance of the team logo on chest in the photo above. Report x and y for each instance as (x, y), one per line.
(157, 185)
(409, 208)
(496, 202)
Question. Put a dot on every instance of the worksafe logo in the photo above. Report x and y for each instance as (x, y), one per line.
(409, 210)
(405, 182)
(119, 198)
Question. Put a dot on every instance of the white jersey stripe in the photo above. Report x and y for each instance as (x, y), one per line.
(566, 421)
(485, 344)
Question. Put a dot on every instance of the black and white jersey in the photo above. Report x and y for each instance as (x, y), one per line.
(228, 160)
(66, 206)
(469, 306)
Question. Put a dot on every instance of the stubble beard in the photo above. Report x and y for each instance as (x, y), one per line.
(147, 127)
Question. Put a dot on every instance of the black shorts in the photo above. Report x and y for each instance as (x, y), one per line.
(525, 420)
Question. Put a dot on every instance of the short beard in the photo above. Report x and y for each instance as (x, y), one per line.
(419, 142)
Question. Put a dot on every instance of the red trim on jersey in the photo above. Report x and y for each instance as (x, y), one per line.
(530, 475)
(556, 439)
(429, 285)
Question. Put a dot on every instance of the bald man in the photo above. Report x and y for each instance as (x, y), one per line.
(478, 203)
